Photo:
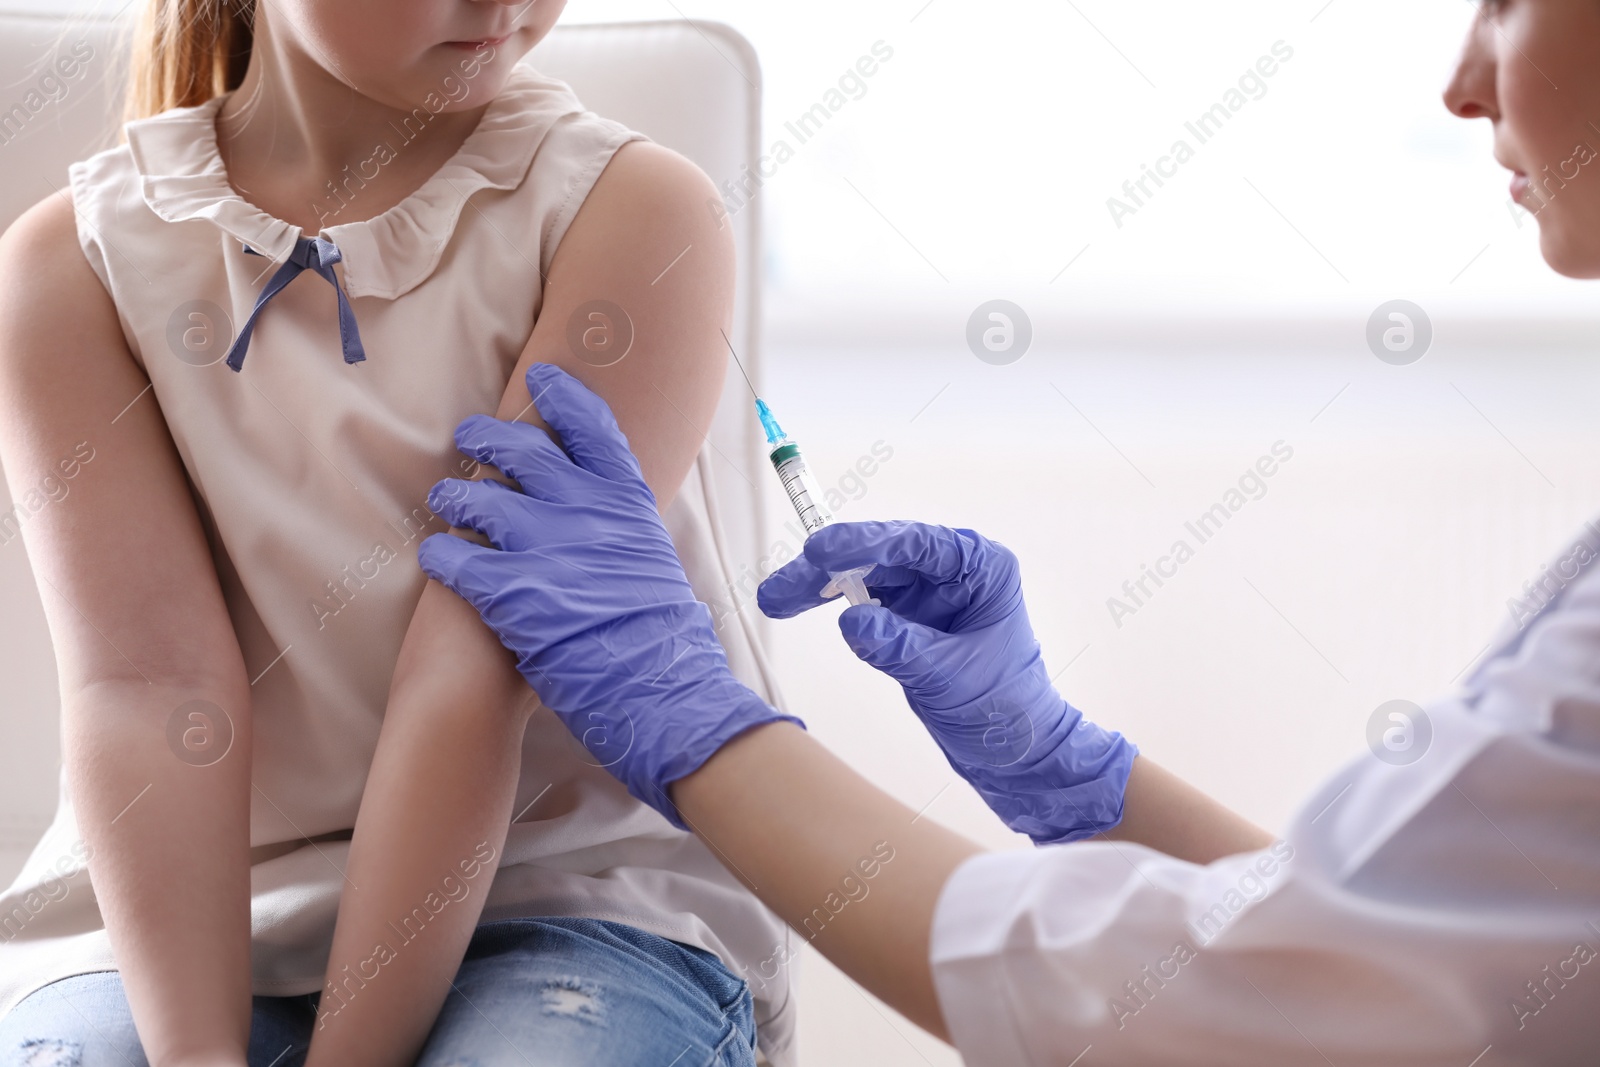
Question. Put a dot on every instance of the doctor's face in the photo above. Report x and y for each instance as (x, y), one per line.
(1532, 68)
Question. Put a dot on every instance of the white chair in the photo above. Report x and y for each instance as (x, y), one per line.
(692, 86)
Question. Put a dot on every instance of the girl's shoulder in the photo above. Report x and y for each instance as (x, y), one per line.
(40, 254)
(49, 280)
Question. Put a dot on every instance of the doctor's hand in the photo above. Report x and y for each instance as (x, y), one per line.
(954, 632)
(584, 585)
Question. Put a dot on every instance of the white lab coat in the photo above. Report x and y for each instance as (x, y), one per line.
(1444, 912)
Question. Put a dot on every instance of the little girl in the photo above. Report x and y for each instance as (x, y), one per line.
(249, 655)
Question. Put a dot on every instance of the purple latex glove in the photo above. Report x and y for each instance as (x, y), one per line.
(584, 585)
(954, 632)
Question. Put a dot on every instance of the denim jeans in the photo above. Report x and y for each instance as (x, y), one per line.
(530, 993)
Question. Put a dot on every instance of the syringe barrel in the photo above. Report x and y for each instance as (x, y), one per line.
(806, 499)
(801, 487)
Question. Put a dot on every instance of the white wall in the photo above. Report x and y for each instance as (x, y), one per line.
(993, 138)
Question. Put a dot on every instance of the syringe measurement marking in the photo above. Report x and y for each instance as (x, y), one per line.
(811, 516)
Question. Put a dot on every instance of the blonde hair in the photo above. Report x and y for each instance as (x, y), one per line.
(185, 52)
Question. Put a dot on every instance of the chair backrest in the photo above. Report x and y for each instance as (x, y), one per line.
(692, 86)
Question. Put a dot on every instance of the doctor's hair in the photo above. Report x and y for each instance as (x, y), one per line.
(185, 52)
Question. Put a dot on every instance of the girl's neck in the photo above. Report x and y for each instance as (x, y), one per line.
(292, 128)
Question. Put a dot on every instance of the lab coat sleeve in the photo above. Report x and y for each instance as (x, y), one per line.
(1441, 913)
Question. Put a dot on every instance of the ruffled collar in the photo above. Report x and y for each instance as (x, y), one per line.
(182, 177)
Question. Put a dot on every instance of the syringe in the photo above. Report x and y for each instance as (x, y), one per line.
(807, 500)
(803, 494)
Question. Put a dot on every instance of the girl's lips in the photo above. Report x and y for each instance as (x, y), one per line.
(473, 45)
(1519, 185)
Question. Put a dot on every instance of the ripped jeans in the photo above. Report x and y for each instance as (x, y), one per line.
(531, 992)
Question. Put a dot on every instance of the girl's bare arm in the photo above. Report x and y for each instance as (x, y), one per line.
(140, 631)
(442, 780)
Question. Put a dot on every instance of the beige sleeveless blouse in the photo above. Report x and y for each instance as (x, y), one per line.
(311, 475)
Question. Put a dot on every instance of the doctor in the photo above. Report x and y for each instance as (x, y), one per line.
(1443, 911)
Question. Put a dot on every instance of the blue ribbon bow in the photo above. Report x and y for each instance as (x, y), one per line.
(313, 253)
